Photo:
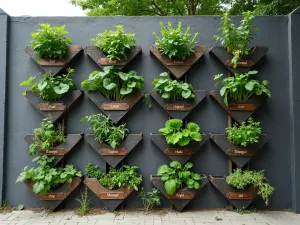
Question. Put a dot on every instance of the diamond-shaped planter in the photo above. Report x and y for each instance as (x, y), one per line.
(238, 154)
(239, 111)
(59, 151)
(180, 198)
(241, 199)
(178, 153)
(178, 67)
(179, 109)
(101, 60)
(54, 198)
(110, 198)
(115, 109)
(55, 66)
(114, 156)
(54, 108)
(245, 64)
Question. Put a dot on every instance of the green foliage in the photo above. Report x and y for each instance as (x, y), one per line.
(92, 171)
(150, 199)
(114, 43)
(241, 87)
(51, 88)
(172, 89)
(105, 131)
(50, 42)
(174, 43)
(45, 177)
(276, 7)
(112, 84)
(241, 179)
(244, 134)
(85, 202)
(47, 136)
(174, 134)
(236, 39)
(177, 176)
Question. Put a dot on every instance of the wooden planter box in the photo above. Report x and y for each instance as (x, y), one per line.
(241, 199)
(178, 153)
(179, 109)
(180, 198)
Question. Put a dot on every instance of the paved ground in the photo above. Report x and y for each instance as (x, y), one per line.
(140, 218)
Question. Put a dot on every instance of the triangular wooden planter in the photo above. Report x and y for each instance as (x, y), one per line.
(59, 151)
(101, 60)
(114, 156)
(115, 109)
(182, 197)
(245, 64)
(54, 198)
(241, 199)
(238, 154)
(55, 66)
(239, 111)
(179, 109)
(178, 153)
(56, 113)
(178, 67)
(110, 198)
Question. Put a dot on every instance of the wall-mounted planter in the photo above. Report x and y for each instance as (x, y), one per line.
(241, 199)
(54, 66)
(183, 196)
(110, 198)
(179, 109)
(101, 60)
(55, 109)
(239, 111)
(245, 64)
(115, 109)
(238, 154)
(114, 156)
(178, 153)
(54, 198)
(59, 151)
(178, 67)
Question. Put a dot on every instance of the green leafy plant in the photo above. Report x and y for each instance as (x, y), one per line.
(175, 134)
(51, 88)
(236, 39)
(46, 177)
(244, 134)
(241, 87)
(174, 42)
(112, 84)
(177, 176)
(85, 203)
(150, 199)
(105, 131)
(50, 42)
(92, 171)
(241, 179)
(114, 43)
(172, 89)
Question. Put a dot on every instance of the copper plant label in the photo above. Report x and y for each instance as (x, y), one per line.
(241, 63)
(178, 151)
(240, 152)
(239, 195)
(53, 152)
(178, 107)
(115, 106)
(53, 196)
(179, 62)
(107, 62)
(48, 107)
(112, 195)
(242, 107)
(52, 62)
(181, 195)
(116, 151)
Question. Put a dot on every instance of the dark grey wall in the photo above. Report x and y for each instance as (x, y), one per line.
(275, 158)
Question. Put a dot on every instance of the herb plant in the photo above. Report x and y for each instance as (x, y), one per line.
(45, 177)
(114, 43)
(241, 87)
(172, 89)
(105, 131)
(50, 42)
(51, 88)
(236, 39)
(150, 199)
(92, 171)
(174, 42)
(112, 84)
(174, 134)
(244, 134)
(241, 179)
(177, 176)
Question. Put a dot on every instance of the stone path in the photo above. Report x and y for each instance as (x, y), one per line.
(139, 218)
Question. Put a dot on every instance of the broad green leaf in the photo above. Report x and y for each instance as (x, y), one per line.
(170, 186)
